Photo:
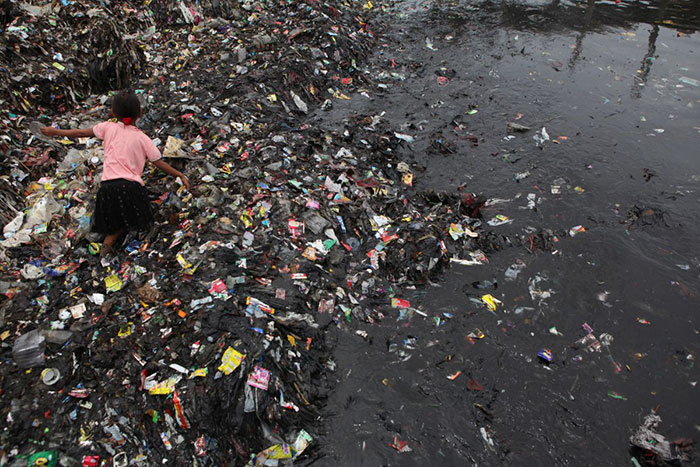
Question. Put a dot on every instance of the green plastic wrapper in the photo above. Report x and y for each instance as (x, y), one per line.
(43, 458)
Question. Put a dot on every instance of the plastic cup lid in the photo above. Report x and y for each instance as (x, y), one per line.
(50, 375)
(120, 460)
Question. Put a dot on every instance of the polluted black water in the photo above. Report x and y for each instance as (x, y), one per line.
(564, 114)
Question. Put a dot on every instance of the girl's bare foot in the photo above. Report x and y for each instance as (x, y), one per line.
(108, 243)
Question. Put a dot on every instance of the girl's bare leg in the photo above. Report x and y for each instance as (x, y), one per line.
(111, 238)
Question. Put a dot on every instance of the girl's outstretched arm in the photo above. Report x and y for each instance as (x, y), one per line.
(77, 133)
(168, 169)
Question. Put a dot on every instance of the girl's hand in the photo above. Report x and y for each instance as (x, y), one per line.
(49, 131)
(184, 181)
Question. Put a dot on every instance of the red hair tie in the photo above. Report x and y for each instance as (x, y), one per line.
(127, 120)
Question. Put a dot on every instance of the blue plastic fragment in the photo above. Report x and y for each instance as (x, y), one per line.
(545, 354)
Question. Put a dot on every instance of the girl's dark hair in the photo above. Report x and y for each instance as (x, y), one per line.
(126, 104)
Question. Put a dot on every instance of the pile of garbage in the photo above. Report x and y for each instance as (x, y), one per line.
(202, 342)
(53, 54)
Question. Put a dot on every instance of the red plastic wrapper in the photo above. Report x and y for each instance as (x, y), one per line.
(400, 303)
(399, 445)
(200, 447)
(80, 393)
(179, 414)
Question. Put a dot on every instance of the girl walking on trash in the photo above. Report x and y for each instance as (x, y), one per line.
(122, 201)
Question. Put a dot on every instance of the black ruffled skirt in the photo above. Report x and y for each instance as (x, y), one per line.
(121, 205)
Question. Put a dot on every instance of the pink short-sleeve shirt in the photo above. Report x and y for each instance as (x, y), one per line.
(126, 151)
